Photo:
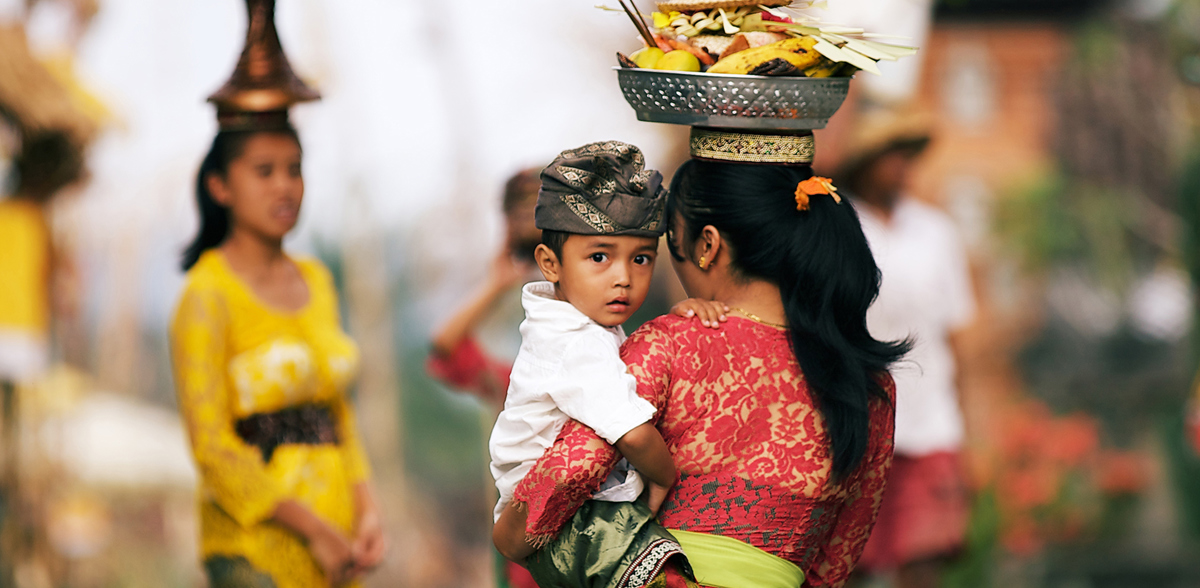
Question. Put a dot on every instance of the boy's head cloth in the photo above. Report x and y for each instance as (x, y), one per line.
(601, 189)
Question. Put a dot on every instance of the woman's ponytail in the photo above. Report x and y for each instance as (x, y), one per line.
(826, 275)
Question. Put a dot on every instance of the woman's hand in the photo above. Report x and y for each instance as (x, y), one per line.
(331, 550)
(334, 554)
(710, 312)
(370, 544)
(505, 272)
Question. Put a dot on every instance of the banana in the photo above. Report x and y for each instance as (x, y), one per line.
(823, 69)
(797, 51)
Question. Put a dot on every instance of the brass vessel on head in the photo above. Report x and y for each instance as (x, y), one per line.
(263, 85)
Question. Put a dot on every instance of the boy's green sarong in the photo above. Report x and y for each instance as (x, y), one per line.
(607, 545)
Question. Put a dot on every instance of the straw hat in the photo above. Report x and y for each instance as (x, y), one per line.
(33, 98)
(883, 131)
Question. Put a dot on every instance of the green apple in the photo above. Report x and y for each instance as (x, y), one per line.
(678, 60)
(647, 57)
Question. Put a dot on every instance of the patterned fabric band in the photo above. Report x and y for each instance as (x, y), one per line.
(310, 424)
(725, 562)
(742, 147)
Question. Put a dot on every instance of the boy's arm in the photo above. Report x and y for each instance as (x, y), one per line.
(508, 535)
(645, 449)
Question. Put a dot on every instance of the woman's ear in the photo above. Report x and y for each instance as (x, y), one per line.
(217, 188)
(547, 261)
(709, 245)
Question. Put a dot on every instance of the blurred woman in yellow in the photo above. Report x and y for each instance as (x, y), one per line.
(262, 366)
(46, 163)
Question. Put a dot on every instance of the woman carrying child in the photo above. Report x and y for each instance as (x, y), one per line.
(779, 421)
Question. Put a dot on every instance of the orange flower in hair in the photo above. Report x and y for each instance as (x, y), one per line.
(815, 186)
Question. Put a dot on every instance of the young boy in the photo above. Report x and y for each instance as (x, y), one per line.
(601, 215)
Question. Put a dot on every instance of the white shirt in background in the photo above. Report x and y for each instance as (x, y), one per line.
(926, 294)
(569, 367)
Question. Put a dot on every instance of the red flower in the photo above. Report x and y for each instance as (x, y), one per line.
(1123, 473)
(1021, 537)
(767, 16)
(1075, 437)
(1030, 488)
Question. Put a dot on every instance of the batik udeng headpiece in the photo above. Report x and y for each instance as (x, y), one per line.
(601, 189)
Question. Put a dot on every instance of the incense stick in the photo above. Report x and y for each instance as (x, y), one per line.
(639, 24)
(641, 17)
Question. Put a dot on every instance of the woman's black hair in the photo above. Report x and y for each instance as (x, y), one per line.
(214, 218)
(826, 275)
(47, 162)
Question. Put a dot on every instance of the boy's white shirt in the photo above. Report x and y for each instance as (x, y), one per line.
(569, 367)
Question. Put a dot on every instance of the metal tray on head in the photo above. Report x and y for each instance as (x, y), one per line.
(732, 101)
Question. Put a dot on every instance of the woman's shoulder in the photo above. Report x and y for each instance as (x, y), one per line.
(314, 271)
(309, 263)
(678, 332)
(668, 325)
(207, 274)
(888, 383)
(206, 289)
(883, 409)
(655, 335)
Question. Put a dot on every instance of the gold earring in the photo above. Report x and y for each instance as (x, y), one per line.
(702, 262)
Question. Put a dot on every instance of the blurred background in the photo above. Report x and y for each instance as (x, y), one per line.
(1065, 148)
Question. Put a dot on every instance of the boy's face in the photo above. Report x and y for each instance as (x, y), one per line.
(606, 277)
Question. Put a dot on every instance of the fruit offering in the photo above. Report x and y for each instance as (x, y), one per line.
(752, 37)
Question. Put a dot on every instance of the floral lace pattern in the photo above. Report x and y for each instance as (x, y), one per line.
(748, 440)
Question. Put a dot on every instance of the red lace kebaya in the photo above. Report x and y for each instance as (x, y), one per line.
(748, 440)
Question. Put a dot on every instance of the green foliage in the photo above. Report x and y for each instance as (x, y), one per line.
(1053, 220)
(974, 569)
(1189, 211)
(1185, 470)
(1034, 224)
(444, 437)
(1097, 45)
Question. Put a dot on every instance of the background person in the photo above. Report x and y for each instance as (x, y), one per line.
(46, 163)
(926, 294)
(262, 366)
(456, 357)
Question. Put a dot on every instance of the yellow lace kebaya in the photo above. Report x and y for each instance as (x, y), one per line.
(235, 357)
